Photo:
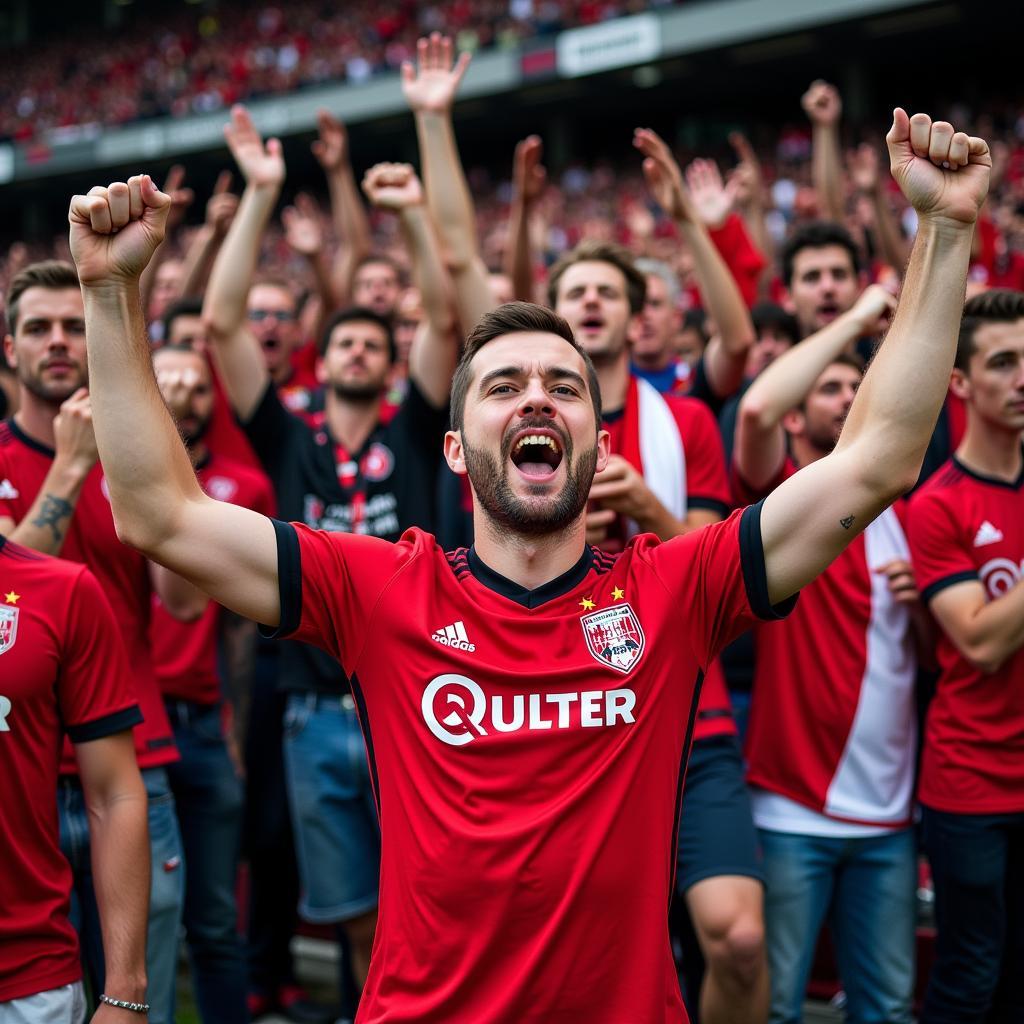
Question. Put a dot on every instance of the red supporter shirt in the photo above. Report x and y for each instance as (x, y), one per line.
(122, 572)
(185, 653)
(62, 667)
(527, 751)
(707, 487)
(224, 436)
(833, 719)
(964, 526)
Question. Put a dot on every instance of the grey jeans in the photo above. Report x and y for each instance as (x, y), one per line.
(65, 1005)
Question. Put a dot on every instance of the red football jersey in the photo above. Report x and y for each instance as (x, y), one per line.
(706, 487)
(527, 752)
(833, 721)
(62, 667)
(964, 526)
(122, 572)
(185, 653)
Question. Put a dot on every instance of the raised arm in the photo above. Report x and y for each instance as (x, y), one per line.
(302, 231)
(528, 179)
(430, 90)
(748, 188)
(823, 107)
(808, 520)
(726, 355)
(867, 180)
(760, 447)
(436, 350)
(351, 224)
(235, 349)
(220, 211)
(227, 551)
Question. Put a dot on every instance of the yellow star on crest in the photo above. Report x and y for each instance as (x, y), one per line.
(587, 605)
(11, 597)
(618, 593)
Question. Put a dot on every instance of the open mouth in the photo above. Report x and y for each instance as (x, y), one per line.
(592, 323)
(828, 311)
(269, 344)
(537, 455)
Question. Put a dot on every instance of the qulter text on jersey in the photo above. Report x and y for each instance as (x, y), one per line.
(466, 713)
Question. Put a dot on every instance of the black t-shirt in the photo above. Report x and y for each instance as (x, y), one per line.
(381, 490)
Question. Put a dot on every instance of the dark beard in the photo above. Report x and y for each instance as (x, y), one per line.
(360, 394)
(193, 437)
(490, 483)
(53, 396)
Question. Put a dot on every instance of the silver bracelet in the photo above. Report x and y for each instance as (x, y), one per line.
(122, 1004)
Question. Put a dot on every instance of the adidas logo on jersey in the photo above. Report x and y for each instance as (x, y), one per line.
(987, 534)
(8, 490)
(454, 636)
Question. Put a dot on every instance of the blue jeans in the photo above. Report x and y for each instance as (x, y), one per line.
(866, 888)
(166, 892)
(977, 863)
(337, 837)
(208, 795)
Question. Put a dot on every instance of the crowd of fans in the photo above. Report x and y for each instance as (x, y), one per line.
(327, 336)
(199, 61)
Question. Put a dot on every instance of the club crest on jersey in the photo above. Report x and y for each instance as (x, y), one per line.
(614, 637)
(8, 628)
(378, 462)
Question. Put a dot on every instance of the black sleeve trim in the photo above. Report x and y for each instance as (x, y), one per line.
(289, 581)
(755, 576)
(947, 581)
(98, 728)
(710, 504)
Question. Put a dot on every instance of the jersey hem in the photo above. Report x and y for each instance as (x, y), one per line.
(755, 574)
(42, 982)
(971, 809)
(106, 725)
(947, 581)
(708, 504)
(753, 779)
(289, 582)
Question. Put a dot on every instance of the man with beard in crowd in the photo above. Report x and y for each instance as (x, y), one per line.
(524, 867)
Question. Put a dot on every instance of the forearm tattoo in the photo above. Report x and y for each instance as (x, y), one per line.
(52, 514)
(846, 523)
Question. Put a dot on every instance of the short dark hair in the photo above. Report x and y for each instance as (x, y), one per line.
(514, 318)
(771, 315)
(363, 315)
(601, 252)
(816, 235)
(996, 306)
(52, 274)
(191, 306)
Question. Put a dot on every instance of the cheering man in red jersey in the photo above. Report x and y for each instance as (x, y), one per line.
(967, 538)
(63, 670)
(525, 703)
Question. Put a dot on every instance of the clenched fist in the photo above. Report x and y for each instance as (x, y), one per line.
(116, 229)
(393, 186)
(942, 172)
